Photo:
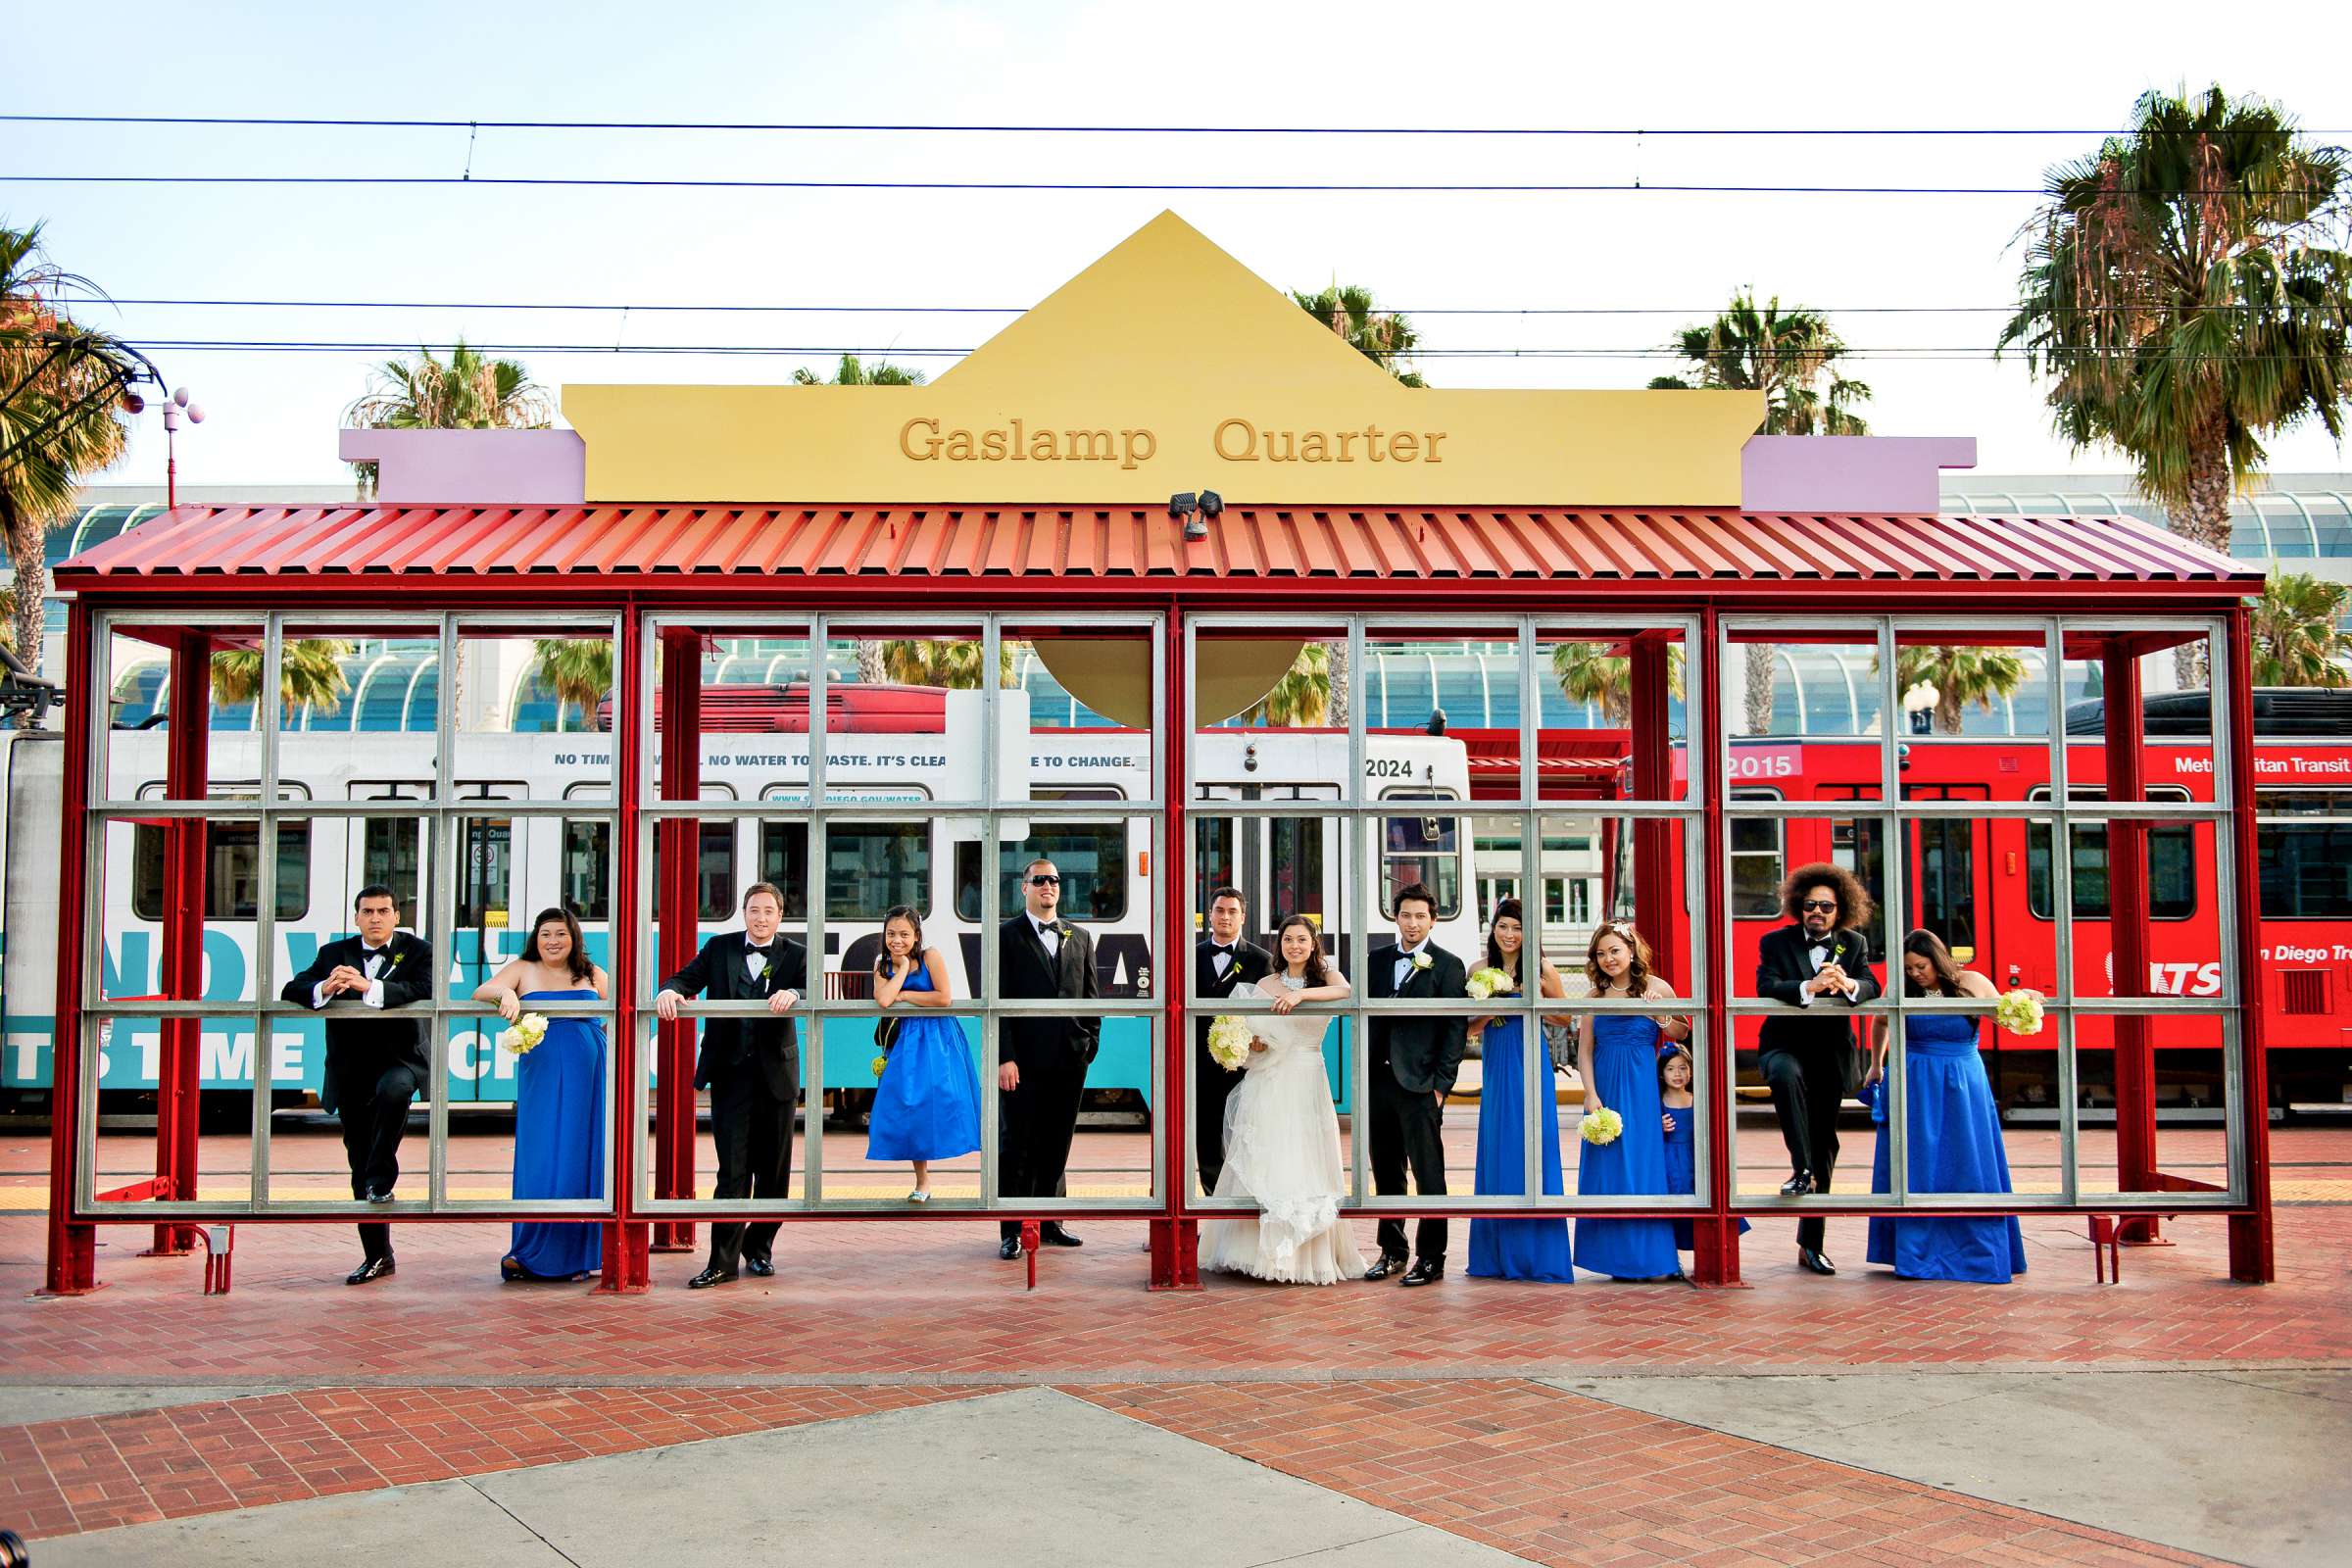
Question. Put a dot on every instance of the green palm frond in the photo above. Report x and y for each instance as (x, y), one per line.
(1963, 677)
(1303, 698)
(1384, 337)
(1789, 356)
(1595, 673)
(577, 669)
(310, 674)
(2299, 632)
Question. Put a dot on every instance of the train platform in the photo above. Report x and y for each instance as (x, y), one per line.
(897, 1382)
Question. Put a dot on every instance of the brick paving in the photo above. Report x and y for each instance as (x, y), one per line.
(1557, 1478)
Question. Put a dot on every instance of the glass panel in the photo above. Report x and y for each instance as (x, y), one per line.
(1815, 685)
(2175, 708)
(2183, 1061)
(1600, 692)
(1988, 686)
(2180, 896)
(207, 1066)
(137, 662)
(527, 703)
(906, 720)
(144, 863)
(907, 1119)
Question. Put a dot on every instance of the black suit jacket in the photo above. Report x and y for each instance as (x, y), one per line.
(1425, 1054)
(1024, 970)
(1784, 963)
(1250, 964)
(357, 1036)
(772, 1044)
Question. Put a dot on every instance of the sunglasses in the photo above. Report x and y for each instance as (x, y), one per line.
(1045, 881)
(1827, 905)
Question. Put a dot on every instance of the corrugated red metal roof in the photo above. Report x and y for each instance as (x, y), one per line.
(1103, 544)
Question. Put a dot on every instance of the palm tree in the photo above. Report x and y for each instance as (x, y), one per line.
(955, 665)
(60, 415)
(1792, 358)
(1963, 677)
(467, 392)
(310, 674)
(577, 669)
(2178, 292)
(851, 373)
(2298, 632)
(1382, 336)
(1592, 672)
(1302, 697)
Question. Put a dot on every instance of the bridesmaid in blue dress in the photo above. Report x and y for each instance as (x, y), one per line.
(1954, 1132)
(1515, 1248)
(927, 1105)
(559, 1100)
(1617, 1058)
(1674, 1077)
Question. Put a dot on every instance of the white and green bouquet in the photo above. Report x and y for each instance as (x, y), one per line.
(2018, 1011)
(1489, 982)
(1601, 1126)
(529, 1031)
(1229, 1038)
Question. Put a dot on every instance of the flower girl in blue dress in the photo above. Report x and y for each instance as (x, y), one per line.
(1681, 1111)
(927, 1105)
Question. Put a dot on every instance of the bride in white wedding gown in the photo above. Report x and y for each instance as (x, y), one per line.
(1282, 1136)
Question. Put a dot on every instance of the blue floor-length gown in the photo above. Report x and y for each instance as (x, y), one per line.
(1955, 1137)
(927, 1105)
(1515, 1248)
(560, 1139)
(1682, 1167)
(1625, 1071)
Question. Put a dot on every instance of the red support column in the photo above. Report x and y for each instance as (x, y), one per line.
(178, 1075)
(1656, 911)
(2127, 925)
(1715, 1234)
(71, 1264)
(1175, 1240)
(2250, 1235)
(628, 1270)
(676, 911)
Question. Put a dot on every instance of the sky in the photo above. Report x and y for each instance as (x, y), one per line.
(1671, 258)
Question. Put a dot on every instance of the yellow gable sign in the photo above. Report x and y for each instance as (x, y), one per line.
(1166, 365)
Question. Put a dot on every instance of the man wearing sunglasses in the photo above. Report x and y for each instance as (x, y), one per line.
(1820, 964)
(1041, 1063)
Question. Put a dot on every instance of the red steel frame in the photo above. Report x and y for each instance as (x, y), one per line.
(632, 1232)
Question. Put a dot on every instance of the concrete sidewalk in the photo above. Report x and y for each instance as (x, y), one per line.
(1025, 1478)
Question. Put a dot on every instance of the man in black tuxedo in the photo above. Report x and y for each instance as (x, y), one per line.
(374, 1065)
(1414, 1061)
(752, 1067)
(1221, 965)
(1042, 1061)
(1820, 963)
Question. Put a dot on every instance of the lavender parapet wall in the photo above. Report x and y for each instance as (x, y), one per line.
(474, 467)
(1778, 473)
(1801, 473)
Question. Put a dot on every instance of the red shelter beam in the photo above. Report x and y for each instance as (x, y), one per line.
(73, 1253)
(1655, 909)
(1175, 1240)
(179, 1083)
(627, 1268)
(676, 916)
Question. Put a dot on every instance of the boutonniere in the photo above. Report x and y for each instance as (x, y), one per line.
(1061, 930)
(391, 963)
(1420, 960)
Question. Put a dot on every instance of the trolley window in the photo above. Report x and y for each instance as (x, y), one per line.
(587, 871)
(232, 864)
(1758, 857)
(2304, 844)
(1091, 858)
(869, 867)
(1421, 849)
(2171, 864)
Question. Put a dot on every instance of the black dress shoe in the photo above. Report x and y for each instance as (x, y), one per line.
(1813, 1263)
(761, 1267)
(374, 1196)
(1009, 1247)
(375, 1268)
(1051, 1235)
(1798, 1184)
(1385, 1267)
(1424, 1273)
(709, 1277)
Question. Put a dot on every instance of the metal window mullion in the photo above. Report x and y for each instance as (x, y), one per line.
(2062, 912)
(1535, 1060)
(1157, 937)
(264, 913)
(93, 925)
(992, 1036)
(812, 1078)
(443, 912)
(1894, 856)
(1359, 849)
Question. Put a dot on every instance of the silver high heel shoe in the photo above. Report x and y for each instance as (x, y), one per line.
(918, 1197)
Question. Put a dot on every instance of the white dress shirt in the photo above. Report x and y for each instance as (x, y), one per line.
(372, 964)
(1220, 959)
(755, 958)
(1049, 935)
(1405, 965)
(1820, 955)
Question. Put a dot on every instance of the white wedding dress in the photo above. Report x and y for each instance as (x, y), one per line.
(1282, 1148)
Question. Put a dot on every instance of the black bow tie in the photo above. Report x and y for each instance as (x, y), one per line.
(367, 952)
(1220, 947)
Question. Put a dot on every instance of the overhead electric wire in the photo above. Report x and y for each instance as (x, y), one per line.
(1165, 187)
(950, 127)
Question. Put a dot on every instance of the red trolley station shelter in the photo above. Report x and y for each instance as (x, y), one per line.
(662, 521)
